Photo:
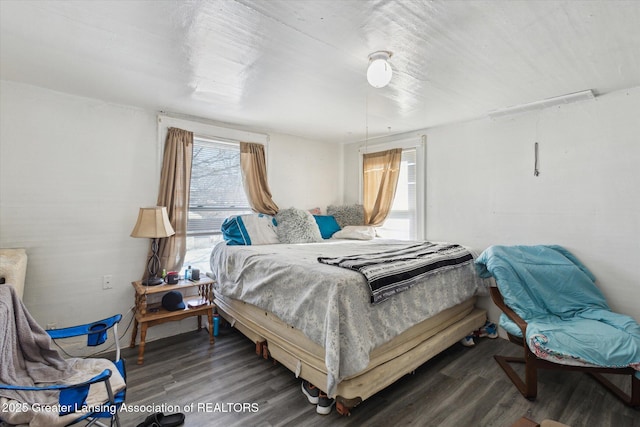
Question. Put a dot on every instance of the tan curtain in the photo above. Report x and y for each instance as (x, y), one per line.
(175, 181)
(254, 178)
(381, 171)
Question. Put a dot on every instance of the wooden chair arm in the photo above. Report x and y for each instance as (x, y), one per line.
(496, 296)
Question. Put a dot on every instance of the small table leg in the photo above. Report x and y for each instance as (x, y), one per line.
(210, 317)
(134, 333)
(143, 337)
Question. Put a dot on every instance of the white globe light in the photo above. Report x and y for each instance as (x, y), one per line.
(379, 72)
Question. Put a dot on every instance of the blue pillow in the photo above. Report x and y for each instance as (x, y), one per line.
(327, 225)
(251, 229)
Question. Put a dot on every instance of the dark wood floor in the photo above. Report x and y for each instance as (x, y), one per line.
(228, 385)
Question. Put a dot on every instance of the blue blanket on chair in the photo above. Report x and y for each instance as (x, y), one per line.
(568, 317)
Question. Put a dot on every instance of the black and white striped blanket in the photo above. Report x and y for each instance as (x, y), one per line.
(397, 270)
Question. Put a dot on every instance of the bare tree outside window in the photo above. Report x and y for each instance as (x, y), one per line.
(216, 193)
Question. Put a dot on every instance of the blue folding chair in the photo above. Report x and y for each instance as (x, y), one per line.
(73, 397)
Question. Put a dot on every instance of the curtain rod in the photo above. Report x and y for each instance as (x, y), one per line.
(216, 139)
(207, 122)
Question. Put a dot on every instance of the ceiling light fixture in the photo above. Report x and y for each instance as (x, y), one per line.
(379, 72)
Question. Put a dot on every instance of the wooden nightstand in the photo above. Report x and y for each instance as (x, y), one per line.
(151, 315)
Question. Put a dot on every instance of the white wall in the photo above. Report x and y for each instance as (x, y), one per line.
(304, 174)
(352, 174)
(481, 189)
(74, 172)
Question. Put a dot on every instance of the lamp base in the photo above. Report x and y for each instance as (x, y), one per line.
(153, 281)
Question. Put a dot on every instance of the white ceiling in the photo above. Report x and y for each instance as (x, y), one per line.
(299, 67)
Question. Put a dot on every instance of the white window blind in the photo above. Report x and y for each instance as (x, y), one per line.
(216, 193)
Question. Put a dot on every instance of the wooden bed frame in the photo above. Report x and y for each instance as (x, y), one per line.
(388, 362)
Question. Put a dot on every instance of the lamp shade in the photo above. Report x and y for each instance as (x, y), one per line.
(153, 223)
(379, 72)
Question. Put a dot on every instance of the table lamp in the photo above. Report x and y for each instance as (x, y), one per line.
(153, 223)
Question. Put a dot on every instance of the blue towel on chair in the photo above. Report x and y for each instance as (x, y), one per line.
(567, 315)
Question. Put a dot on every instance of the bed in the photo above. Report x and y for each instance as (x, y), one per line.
(318, 320)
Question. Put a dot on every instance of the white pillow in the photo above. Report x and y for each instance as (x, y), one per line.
(356, 232)
(250, 229)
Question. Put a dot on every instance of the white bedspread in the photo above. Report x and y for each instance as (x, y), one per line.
(330, 305)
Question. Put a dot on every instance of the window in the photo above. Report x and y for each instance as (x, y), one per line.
(216, 193)
(402, 222)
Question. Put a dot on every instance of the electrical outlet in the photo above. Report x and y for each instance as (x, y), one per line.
(107, 281)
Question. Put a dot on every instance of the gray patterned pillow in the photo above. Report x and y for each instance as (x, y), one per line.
(347, 214)
(297, 226)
